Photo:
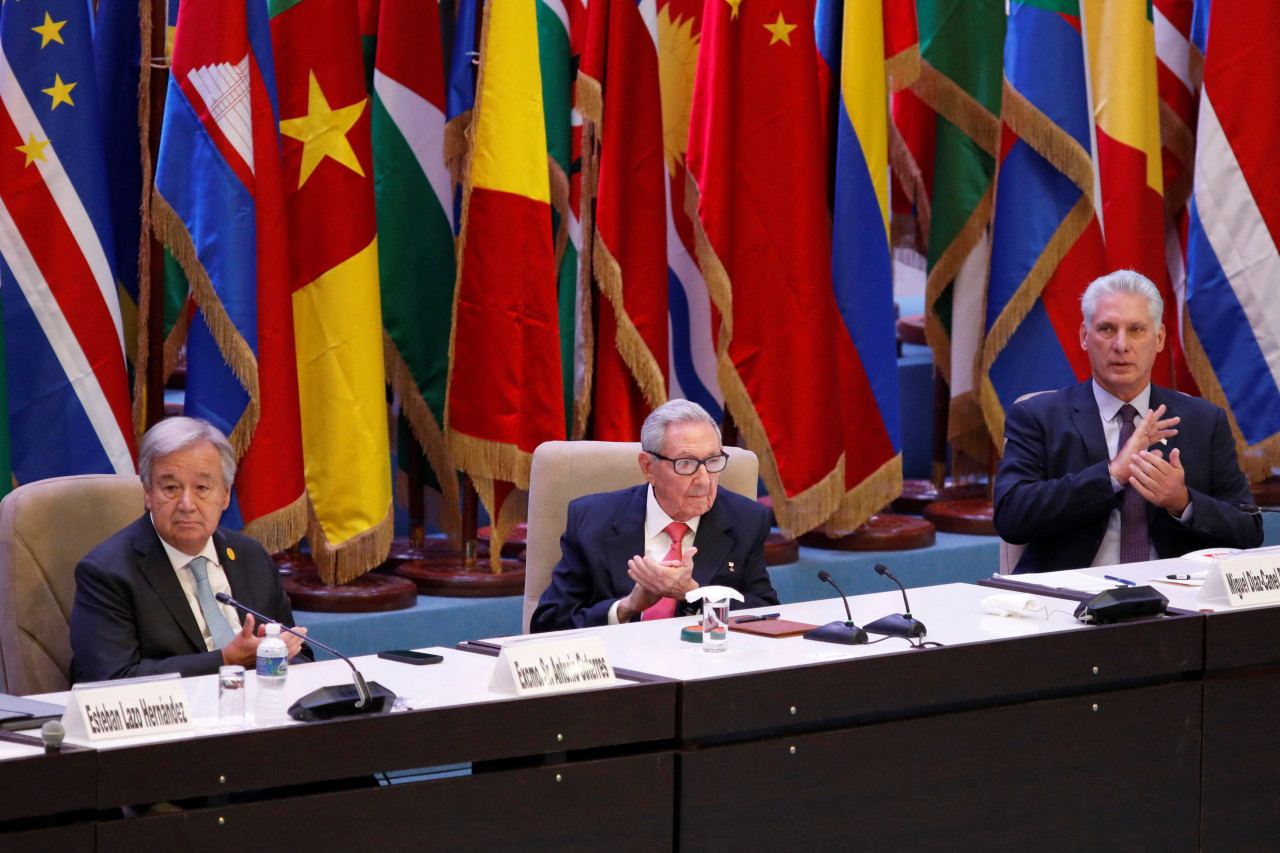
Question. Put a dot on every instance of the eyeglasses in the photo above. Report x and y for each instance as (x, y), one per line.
(687, 466)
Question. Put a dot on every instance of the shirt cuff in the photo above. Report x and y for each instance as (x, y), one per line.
(613, 612)
(1185, 518)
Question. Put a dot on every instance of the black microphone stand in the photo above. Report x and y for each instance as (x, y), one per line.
(897, 624)
(845, 633)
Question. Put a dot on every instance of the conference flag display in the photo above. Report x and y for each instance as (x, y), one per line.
(505, 393)
(620, 92)
(758, 158)
(1046, 243)
(961, 80)
(328, 167)
(218, 206)
(68, 396)
(415, 227)
(1130, 168)
(854, 45)
(1232, 260)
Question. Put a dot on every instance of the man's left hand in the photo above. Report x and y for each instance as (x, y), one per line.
(667, 578)
(1160, 482)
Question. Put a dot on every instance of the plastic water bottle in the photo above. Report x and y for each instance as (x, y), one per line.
(273, 668)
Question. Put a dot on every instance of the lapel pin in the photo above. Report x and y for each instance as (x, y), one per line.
(731, 565)
(231, 555)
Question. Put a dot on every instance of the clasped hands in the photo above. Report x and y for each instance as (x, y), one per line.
(1160, 481)
(243, 649)
(656, 580)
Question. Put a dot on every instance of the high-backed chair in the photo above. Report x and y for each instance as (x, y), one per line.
(45, 528)
(1010, 553)
(564, 470)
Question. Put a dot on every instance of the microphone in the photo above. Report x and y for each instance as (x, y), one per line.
(1254, 509)
(52, 734)
(898, 624)
(845, 633)
(329, 702)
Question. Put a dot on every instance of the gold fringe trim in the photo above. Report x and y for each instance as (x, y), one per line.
(457, 132)
(139, 411)
(343, 563)
(1181, 142)
(428, 433)
(902, 163)
(948, 99)
(1048, 139)
(235, 351)
(514, 511)
(867, 498)
(558, 182)
(586, 270)
(481, 457)
(283, 528)
(590, 99)
(1256, 460)
(799, 513)
(903, 68)
(944, 273)
(176, 340)
(635, 351)
(1069, 230)
(967, 430)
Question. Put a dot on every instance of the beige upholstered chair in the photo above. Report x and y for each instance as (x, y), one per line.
(45, 528)
(564, 470)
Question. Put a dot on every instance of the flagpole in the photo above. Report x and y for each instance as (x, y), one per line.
(158, 73)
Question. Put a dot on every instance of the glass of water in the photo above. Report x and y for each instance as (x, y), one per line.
(231, 697)
(715, 625)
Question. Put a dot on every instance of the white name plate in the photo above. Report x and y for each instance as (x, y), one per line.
(1243, 579)
(114, 709)
(562, 666)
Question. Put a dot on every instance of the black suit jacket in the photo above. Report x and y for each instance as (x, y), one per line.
(130, 616)
(1053, 489)
(604, 531)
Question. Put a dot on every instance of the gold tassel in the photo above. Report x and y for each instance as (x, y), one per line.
(867, 498)
(948, 99)
(1048, 139)
(343, 563)
(944, 272)
(635, 351)
(283, 528)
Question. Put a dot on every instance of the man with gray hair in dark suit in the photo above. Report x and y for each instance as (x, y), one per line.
(145, 597)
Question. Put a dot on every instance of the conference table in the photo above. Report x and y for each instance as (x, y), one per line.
(1018, 732)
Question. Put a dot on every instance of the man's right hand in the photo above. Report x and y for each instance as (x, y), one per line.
(1150, 429)
(243, 650)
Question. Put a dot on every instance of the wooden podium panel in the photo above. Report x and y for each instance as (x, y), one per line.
(42, 784)
(939, 679)
(359, 746)
(1241, 774)
(69, 838)
(604, 804)
(1054, 774)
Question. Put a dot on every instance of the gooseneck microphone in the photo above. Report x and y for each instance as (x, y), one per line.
(1254, 509)
(845, 633)
(328, 702)
(898, 624)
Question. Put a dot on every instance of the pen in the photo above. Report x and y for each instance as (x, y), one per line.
(1178, 577)
(1120, 580)
(742, 619)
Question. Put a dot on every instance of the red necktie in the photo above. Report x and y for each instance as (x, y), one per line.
(666, 608)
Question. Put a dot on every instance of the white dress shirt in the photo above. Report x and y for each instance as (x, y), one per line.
(656, 541)
(217, 580)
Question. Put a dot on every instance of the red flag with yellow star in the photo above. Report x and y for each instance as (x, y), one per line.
(759, 159)
(328, 166)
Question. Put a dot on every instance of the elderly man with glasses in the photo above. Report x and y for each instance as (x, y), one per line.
(634, 553)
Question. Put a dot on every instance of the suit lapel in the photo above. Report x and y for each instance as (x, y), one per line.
(154, 566)
(627, 540)
(1088, 422)
(235, 568)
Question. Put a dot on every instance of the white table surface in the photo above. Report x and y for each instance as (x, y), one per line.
(950, 612)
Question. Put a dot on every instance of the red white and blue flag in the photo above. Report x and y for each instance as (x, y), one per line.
(1232, 259)
(64, 346)
(219, 204)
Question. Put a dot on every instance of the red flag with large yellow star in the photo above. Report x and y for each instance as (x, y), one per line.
(759, 159)
(328, 166)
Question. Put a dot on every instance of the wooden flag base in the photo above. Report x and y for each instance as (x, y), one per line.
(779, 550)
(515, 546)
(881, 533)
(918, 494)
(433, 548)
(369, 593)
(1266, 492)
(459, 578)
(971, 516)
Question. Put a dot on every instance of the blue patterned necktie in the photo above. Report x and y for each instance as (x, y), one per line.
(1135, 544)
(219, 628)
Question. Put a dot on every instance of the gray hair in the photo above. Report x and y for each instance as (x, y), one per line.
(1122, 281)
(653, 435)
(174, 434)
